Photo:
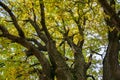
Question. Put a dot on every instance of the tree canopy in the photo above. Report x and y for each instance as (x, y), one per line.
(59, 39)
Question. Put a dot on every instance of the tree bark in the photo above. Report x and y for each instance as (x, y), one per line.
(111, 68)
(62, 71)
(110, 62)
(57, 65)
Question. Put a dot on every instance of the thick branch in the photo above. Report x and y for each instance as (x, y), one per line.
(80, 43)
(79, 65)
(111, 12)
(62, 69)
(21, 33)
(43, 60)
(39, 33)
(79, 61)
(43, 19)
(40, 46)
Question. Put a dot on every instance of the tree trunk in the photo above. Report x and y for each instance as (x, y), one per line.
(111, 68)
(62, 71)
(79, 67)
(110, 62)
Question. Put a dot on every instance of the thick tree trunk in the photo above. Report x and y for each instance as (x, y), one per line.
(62, 71)
(110, 63)
(79, 67)
(111, 70)
(79, 70)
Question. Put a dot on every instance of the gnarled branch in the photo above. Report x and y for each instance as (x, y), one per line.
(38, 30)
(39, 55)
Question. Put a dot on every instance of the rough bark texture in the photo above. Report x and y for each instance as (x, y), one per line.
(111, 70)
(62, 70)
(57, 66)
(110, 63)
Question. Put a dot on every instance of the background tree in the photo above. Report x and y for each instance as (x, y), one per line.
(111, 68)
